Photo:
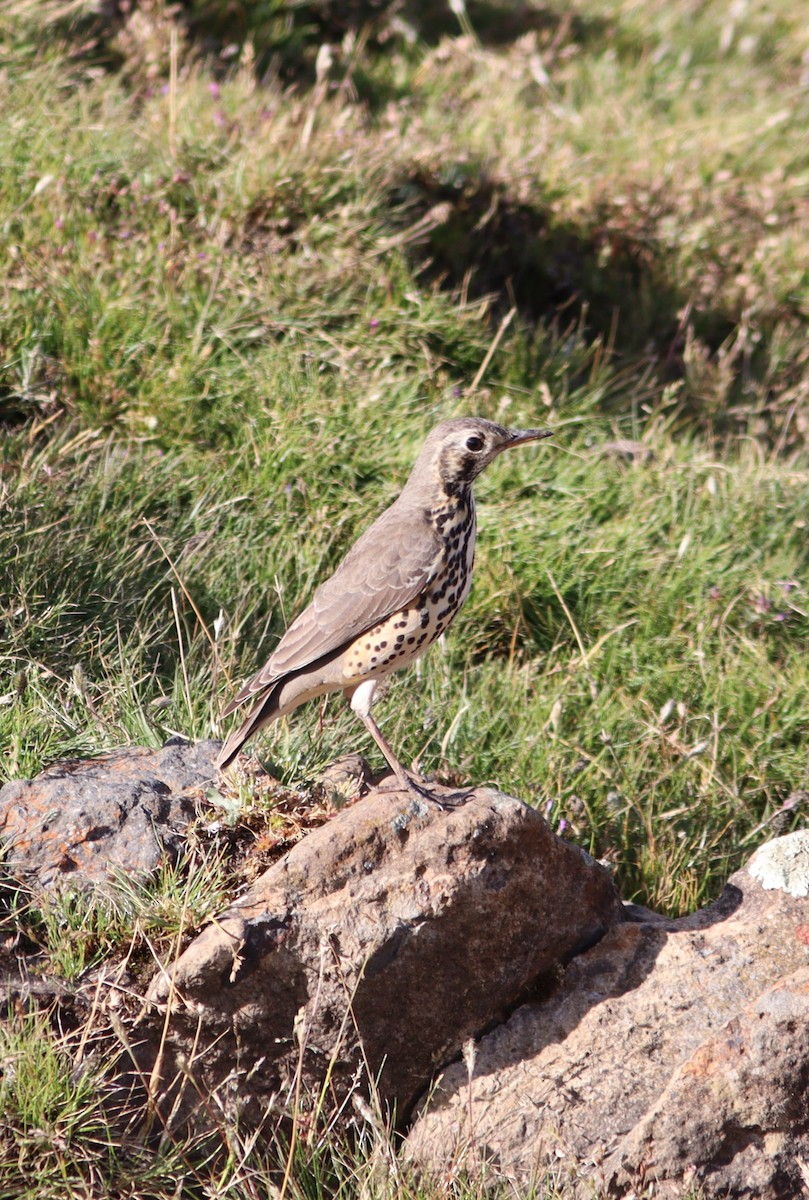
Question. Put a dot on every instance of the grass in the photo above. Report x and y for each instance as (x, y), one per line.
(238, 289)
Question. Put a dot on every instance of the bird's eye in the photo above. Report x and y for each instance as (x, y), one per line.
(474, 443)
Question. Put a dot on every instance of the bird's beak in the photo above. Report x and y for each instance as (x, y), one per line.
(518, 436)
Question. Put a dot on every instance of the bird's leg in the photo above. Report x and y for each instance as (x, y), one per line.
(361, 700)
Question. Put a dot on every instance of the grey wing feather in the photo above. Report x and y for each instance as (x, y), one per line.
(386, 570)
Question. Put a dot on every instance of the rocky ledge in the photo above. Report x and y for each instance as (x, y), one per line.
(472, 972)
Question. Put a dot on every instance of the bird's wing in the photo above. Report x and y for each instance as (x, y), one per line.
(385, 571)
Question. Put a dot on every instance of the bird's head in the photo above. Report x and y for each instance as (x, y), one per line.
(457, 451)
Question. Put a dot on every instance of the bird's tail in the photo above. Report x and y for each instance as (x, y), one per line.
(265, 711)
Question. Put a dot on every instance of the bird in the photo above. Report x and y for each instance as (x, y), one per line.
(396, 591)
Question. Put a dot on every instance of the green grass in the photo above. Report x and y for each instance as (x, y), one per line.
(232, 302)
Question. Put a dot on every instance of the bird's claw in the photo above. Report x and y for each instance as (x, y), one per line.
(444, 800)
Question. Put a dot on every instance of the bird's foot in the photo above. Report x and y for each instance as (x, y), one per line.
(452, 799)
(420, 789)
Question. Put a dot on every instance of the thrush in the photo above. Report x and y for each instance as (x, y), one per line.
(396, 591)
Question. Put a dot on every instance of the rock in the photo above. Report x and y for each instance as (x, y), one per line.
(469, 967)
(78, 821)
(783, 863)
(673, 1054)
(345, 779)
(377, 945)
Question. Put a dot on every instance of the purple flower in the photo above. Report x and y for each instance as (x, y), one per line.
(762, 603)
(373, 323)
(164, 91)
(562, 826)
(787, 585)
(213, 88)
(59, 222)
(219, 118)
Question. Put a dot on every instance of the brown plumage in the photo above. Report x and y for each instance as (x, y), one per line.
(394, 593)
